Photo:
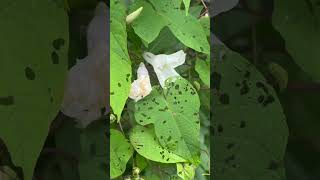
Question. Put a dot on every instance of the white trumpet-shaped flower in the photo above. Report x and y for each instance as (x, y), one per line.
(86, 86)
(141, 87)
(164, 65)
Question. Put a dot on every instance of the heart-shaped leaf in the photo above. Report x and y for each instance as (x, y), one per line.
(250, 130)
(34, 59)
(174, 112)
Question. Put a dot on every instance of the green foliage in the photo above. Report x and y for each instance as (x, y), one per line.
(93, 143)
(31, 97)
(120, 153)
(120, 74)
(175, 115)
(165, 127)
(298, 22)
(203, 69)
(167, 13)
(249, 126)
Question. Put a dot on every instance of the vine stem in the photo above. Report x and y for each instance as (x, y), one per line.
(120, 125)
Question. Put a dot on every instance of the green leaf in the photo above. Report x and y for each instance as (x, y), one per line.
(159, 171)
(203, 69)
(298, 22)
(145, 26)
(141, 162)
(174, 112)
(186, 5)
(249, 123)
(120, 74)
(195, 10)
(147, 145)
(120, 153)
(188, 30)
(33, 66)
(186, 171)
(205, 22)
(93, 155)
(168, 13)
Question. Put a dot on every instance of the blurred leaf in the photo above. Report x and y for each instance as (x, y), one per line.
(32, 72)
(186, 171)
(249, 124)
(6, 173)
(186, 5)
(93, 157)
(298, 23)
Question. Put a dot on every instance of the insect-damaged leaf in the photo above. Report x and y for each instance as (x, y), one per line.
(33, 64)
(120, 153)
(120, 74)
(174, 112)
(250, 130)
(147, 145)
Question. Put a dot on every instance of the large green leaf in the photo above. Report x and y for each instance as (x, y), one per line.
(298, 22)
(250, 131)
(145, 25)
(174, 112)
(147, 145)
(168, 13)
(33, 53)
(120, 153)
(120, 74)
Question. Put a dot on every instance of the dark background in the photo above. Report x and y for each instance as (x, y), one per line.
(247, 29)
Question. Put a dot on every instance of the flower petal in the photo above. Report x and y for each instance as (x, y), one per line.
(176, 59)
(86, 86)
(141, 87)
(164, 65)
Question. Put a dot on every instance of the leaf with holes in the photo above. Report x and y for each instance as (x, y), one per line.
(174, 112)
(120, 153)
(147, 145)
(120, 74)
(32, 71)
(249, 122)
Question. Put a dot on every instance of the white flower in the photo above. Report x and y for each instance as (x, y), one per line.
(86, 86)
(141, 87)
(164, 65)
